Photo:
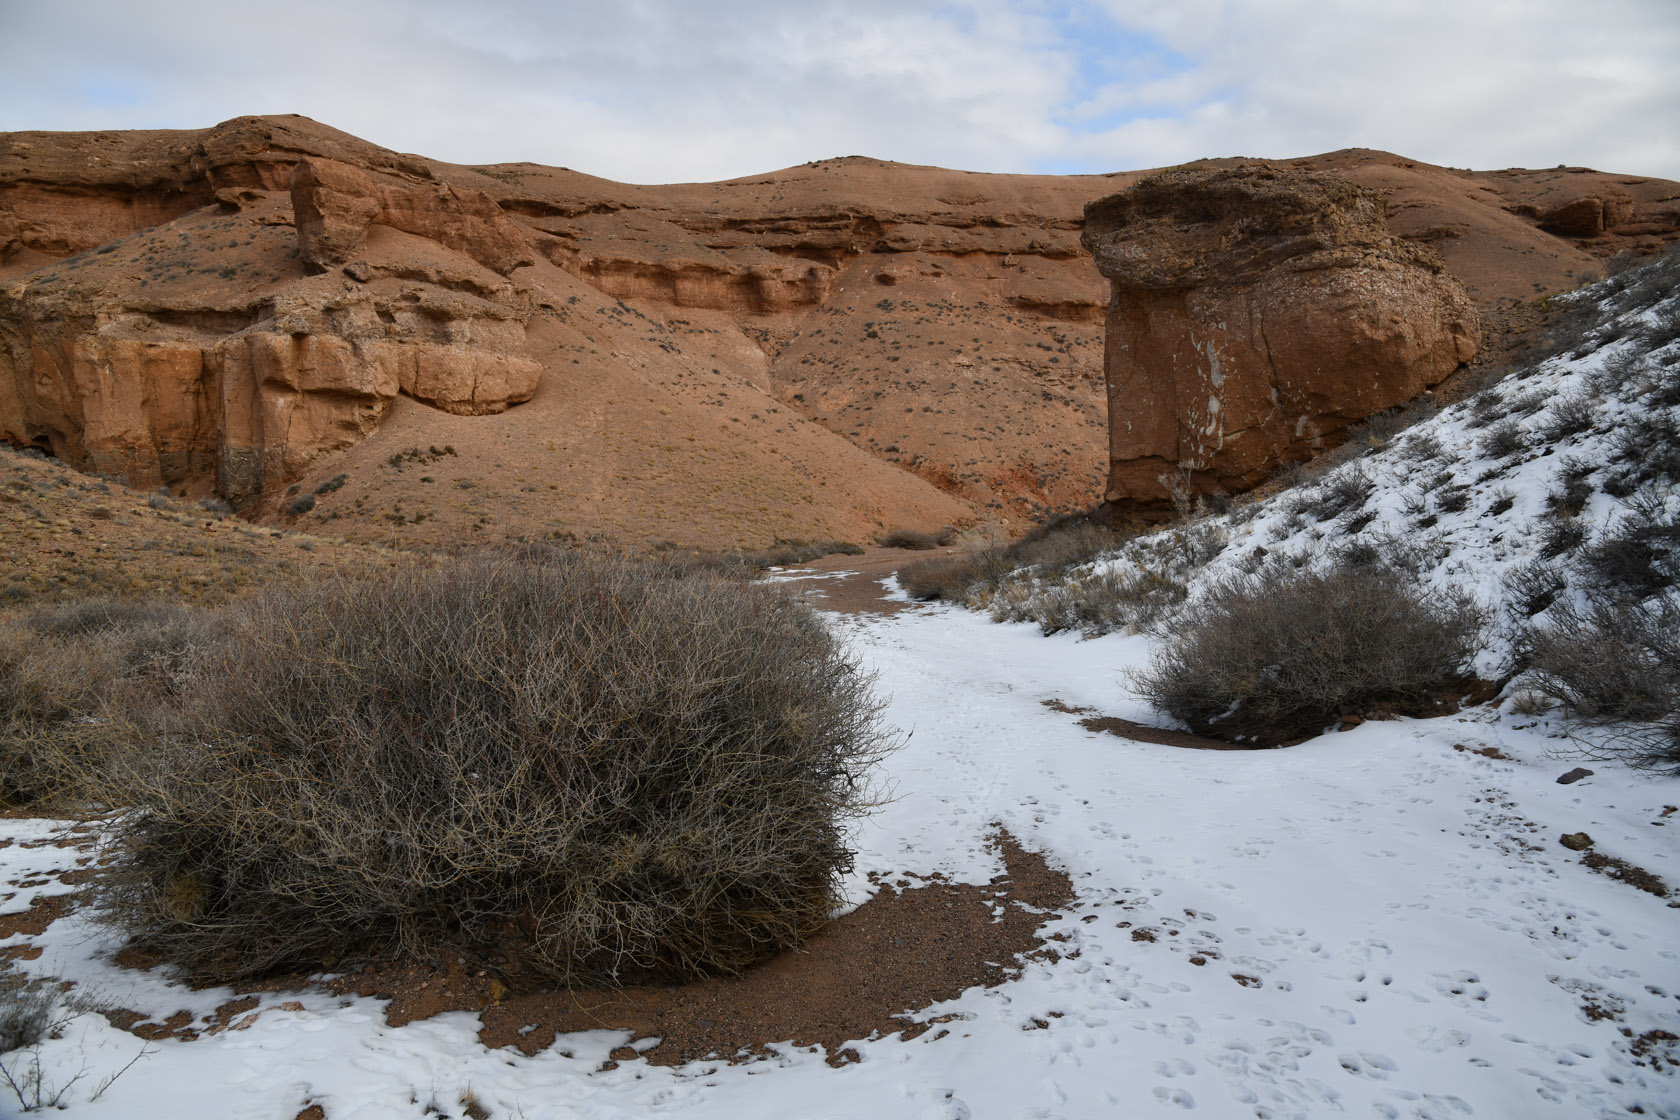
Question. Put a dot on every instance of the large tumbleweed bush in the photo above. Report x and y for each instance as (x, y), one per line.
(1279, 655)
(584, 767)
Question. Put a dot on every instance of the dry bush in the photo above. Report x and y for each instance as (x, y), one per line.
(1090, 602)
(1639, 554)
(914, 539)
(62, 670)
(582, 766)
(950, 577)
(1615, 665)
(1053, 549)
(1278, 656)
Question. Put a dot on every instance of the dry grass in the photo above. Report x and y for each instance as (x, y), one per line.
(581, 765)
(64, 672)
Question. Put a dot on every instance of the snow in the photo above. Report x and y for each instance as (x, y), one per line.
(1374, 923)
(1418, 937)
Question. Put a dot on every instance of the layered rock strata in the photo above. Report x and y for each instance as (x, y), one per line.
(152, 366)
(1254, 314)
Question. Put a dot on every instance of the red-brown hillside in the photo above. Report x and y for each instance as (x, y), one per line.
(819, 352)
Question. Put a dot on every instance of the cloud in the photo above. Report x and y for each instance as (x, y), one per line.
(660, 90)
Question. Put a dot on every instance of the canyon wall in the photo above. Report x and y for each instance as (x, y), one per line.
(1254, 314)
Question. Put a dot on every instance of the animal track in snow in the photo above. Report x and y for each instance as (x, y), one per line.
(1367, 1064)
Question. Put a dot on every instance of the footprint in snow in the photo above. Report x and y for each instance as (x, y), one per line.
(1174, 1096)
(1435, 1040)
(1367, 1064)
(1463, 988)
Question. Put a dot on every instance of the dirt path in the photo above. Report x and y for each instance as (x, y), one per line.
(852, 584)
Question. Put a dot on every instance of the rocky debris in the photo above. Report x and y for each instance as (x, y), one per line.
(1254, 314)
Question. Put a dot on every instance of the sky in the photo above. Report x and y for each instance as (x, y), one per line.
(655, 91)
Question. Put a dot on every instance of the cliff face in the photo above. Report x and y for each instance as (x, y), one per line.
(821, 351)
(1254, 313)
(213, 349)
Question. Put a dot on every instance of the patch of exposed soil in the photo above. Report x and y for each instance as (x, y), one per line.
(1486, 752)
(1142, 732)
(910, 946)
(42, 912)
(853, 583)
(1624, 872)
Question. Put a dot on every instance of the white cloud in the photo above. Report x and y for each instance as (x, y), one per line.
(659, 90)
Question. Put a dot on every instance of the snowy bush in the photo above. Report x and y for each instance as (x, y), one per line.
(1278, 656)
(1615, 666)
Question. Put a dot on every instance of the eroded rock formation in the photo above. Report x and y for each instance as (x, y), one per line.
(336, 203)
(1254, 314)
(828, 350)
(150, 366)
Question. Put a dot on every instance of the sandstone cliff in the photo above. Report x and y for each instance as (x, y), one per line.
(827, 350)
(1254, 313)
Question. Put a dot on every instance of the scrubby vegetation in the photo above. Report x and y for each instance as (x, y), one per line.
(1047, 576)
(1282, 654)
(581, 767)
(1558, 480)
(1614, 665)
(65, 671)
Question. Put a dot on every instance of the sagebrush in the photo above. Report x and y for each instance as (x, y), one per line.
(1613, 664)
(1281, 654)
(579, 767)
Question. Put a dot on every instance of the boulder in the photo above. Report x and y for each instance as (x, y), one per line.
(1579, 217)
(1254, 314)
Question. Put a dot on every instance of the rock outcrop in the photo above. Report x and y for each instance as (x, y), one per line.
(150, 366)
(336, 203)
(1255, 313)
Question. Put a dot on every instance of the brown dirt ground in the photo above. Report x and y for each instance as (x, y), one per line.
(913, 944)
(855, 585)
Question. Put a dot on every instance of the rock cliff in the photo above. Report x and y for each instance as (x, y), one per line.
(1256, 312)
(827, 350)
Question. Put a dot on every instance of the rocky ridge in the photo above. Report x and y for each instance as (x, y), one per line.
(265, 306)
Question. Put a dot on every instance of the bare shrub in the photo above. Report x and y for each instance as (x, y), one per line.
(1561, 536)
(1502, 441)
(1615, 666)
(1570, 415)
(1345, 491)
(1091, 602)
(950, 577)
(61, 669)
(914, 539)
(1649, 446)
(1532, 587)
(583, 767)
(1277, 657)
(1639, 554)
(1052, 549)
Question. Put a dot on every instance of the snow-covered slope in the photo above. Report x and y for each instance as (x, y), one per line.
(1519, 494)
